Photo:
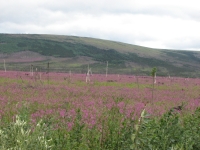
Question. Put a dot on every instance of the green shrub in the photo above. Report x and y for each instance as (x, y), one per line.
(19, 135)
(171, 131)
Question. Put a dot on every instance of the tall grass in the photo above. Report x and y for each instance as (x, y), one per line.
(102, 116)
(115, 132)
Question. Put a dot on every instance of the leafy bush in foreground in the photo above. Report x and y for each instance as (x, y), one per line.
(171, 131)
(19, 135)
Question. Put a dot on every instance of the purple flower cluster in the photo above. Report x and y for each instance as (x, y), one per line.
(61, 99)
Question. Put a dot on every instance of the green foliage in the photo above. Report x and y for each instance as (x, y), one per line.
(20, 135)
(114, 134)
(135, 136)
(116, 131)
(153, 71)
(171, 131)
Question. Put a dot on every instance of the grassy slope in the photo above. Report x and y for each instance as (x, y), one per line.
(123, 58)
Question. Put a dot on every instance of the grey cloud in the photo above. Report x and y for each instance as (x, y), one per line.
(130, 21)
(29, 11)
(121, 7)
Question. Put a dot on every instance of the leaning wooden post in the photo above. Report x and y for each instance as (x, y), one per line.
(31, 70)
(89, 72)
(107, 69)
(70, 73)
(87, 75)
(40, 74)
(153, 74)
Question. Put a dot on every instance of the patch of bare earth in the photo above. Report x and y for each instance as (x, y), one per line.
(28, 56)
(23, 56)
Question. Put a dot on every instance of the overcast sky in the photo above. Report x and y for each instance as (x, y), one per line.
(173, 24)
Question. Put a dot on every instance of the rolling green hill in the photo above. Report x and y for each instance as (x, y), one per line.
(66, 53)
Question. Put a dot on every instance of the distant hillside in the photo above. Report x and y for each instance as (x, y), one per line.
(75, 53)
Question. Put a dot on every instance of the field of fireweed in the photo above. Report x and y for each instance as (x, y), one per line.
(62, 111)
